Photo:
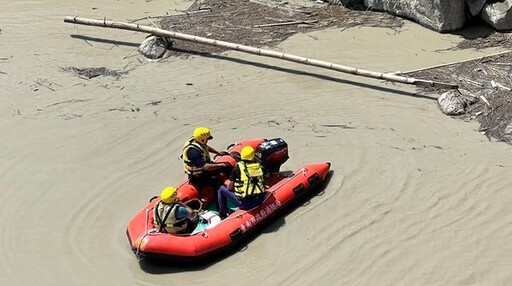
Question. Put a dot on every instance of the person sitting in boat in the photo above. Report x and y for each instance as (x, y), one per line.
(172, 216)
(245, 187)
(197, 163)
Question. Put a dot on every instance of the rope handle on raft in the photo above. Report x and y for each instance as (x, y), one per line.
(146, 233)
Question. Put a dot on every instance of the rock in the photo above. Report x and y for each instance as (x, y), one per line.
(439, 15)
(498, 15)
(154, 47)
(451, 103)
(475, 6)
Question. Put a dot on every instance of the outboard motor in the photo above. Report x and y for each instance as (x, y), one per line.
(272, 153)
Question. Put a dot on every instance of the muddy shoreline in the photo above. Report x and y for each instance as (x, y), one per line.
(259, 25)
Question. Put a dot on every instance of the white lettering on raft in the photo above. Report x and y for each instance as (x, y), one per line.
(260, 215)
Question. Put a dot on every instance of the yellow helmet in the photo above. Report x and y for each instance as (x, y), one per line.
(169, 195)
(247, 153)
(202, 134)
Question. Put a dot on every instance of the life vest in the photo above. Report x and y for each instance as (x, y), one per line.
(251, 180)
(189, 168)
(165, 218)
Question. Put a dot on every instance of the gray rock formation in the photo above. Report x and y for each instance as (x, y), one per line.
(451, 103)
(498, 15)
(154, 47)
(439, 15)
(475, 6)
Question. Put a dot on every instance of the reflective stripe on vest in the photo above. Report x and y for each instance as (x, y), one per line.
(188, 166)
(251, 180)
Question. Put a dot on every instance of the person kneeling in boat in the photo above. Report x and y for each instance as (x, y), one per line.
(172, 216)
(245, 187)
(197, 163)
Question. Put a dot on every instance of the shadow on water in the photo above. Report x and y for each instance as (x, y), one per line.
(272, 225)
(265, 66)
(297, 72)
(104, 41)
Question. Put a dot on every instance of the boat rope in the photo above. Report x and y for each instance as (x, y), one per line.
(147, 232)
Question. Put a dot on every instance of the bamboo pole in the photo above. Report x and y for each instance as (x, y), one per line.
(457, 62)
(260, 52)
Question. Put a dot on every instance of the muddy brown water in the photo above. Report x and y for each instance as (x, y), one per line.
(416, 198)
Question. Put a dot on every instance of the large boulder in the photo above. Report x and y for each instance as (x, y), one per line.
(498, 15)
(439, 15)
(475, 6)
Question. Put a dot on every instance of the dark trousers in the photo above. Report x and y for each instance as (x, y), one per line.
(246, 203)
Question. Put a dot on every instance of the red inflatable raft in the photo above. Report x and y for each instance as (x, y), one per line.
(214, 235)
